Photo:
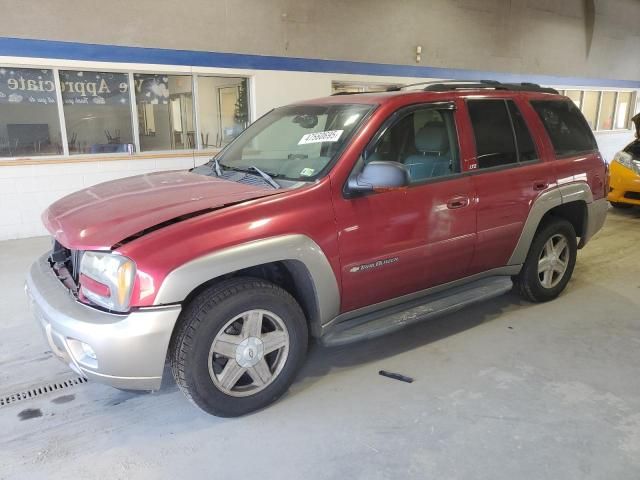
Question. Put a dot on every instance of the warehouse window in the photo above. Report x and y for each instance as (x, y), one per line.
(590, 104)
(361, 87)
(165, 111)
(223, 109)
(623, 109)
(575, 96)
(607, 109)
(97, 112)
(604, 110)
(29, 123)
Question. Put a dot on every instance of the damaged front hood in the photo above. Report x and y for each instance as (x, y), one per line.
(99, 217)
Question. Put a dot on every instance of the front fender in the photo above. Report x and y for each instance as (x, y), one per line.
(183, 280)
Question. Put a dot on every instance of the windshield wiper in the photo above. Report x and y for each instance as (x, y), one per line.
(267, 176)
(216, 167)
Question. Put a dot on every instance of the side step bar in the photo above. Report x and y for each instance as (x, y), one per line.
(395, 318)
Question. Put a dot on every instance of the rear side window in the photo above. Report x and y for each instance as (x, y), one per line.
(568, 130)
(501, 135)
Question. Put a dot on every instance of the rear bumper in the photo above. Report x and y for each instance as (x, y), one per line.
(130, 349)
(596, 215)
(622, 181)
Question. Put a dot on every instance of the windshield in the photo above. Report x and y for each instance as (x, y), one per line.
(295, 142)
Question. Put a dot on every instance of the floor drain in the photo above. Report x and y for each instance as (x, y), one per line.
(40, 390)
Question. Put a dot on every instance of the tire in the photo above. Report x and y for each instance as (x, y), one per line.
(621, 206)
(222, 322)
(540, 286)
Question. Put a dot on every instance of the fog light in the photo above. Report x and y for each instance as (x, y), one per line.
(88, 351)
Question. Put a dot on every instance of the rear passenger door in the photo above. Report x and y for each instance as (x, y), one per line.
(509, 175)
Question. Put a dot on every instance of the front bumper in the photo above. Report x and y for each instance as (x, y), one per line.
(623, 181)
(130, 349)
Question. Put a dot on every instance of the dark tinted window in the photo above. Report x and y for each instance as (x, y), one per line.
(493, 133)
(526, 147)
(424, 140)
(567, 128)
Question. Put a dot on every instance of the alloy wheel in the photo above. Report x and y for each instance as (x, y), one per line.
(248, 353)
(553, 261)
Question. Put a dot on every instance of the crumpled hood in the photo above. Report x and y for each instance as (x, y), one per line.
(98, 217)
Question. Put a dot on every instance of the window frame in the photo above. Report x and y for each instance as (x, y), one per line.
(506, 166)
(388, 123)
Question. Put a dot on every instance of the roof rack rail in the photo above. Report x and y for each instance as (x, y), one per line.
(448, 85)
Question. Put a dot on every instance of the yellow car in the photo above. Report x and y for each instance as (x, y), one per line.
(624, 174)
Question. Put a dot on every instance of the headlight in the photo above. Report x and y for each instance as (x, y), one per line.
(107, 279)
(625, 159)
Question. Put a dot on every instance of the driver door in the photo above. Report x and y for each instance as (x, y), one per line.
(402, 241)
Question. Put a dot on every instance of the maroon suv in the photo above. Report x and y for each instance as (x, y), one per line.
(342, 218)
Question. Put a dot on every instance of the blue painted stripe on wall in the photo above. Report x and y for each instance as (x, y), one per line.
(19, 47)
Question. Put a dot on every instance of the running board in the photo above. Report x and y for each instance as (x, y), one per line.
(395, 318)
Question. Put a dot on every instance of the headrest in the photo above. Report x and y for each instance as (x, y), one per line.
(432, 138)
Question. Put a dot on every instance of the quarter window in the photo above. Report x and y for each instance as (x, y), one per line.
(567, 128)
(424, 140)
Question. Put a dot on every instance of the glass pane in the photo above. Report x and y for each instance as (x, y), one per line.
(97, 112)
(590, 102)
(575, 96)
(494, 137)
(607, 107)
(623, 109)
(165, 112)
(295, 142)
(566, 127)
(223, 109)
(29, 124)
(526, 148)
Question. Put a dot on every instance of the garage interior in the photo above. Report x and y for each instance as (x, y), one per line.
(504, 389)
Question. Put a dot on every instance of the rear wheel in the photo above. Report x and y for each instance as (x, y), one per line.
(550, 262)
(239, 346)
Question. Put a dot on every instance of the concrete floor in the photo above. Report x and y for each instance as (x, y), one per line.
(503, 390)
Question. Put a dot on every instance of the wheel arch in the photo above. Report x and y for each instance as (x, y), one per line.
(294, 262)
(567, 201)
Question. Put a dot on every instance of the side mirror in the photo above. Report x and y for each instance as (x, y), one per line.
(378, 175)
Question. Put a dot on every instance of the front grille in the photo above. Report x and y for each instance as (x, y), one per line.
(632, 195)
(66, 263)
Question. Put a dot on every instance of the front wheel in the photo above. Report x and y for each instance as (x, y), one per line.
(549, 263)
(239, 346)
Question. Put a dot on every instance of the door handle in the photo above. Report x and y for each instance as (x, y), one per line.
(540, 185)
(457, 202)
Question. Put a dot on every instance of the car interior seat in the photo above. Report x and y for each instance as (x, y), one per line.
(433, 157)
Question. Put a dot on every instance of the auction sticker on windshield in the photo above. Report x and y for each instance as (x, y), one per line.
(318, 137)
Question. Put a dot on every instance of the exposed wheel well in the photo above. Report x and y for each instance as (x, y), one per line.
(291, 275)
(574, 212)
